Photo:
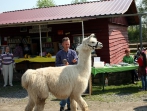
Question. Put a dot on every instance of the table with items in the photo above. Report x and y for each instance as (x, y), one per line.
(34, 62)
(113, 68)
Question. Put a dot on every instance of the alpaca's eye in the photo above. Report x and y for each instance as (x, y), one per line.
(93, 42)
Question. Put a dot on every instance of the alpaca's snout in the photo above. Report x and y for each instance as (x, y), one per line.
(100, 45)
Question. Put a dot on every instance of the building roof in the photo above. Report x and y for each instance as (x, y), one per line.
(68, 12)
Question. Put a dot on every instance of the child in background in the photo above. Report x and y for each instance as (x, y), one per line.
(142, 70)
(129, 59)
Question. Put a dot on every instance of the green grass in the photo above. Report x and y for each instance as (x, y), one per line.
(105, 96)
(113, 89)
(109, 94)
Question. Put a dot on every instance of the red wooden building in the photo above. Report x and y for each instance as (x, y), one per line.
(66, 20)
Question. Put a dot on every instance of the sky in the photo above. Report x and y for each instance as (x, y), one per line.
(11, 5)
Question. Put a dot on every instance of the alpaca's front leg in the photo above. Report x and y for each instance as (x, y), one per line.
(39, 105)
(30, 105)
(82, 103)
(73, 104)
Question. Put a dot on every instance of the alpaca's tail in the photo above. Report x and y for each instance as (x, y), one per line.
(28, 77)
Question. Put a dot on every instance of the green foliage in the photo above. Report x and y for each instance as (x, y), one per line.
(134, 34)
(45, 3)
(133, 31)
(142, 5)
(142, 8)
(78, 1)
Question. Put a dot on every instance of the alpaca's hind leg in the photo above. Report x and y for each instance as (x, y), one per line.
(73, 104)
(82, 103)
(39, 105)
(30, 105)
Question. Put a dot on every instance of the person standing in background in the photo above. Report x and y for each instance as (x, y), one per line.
(18, 51)
(130, 60)
(27, 49)
(142, 70)
(64, 57)
(6, 66)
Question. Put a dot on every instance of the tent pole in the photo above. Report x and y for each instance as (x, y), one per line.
(40, 41)
(83, 29)
(140, 28)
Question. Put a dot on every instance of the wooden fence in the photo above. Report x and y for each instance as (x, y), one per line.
(134, 46)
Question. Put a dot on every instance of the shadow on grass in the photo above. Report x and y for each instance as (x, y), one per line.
(141, 108)
(13, 92)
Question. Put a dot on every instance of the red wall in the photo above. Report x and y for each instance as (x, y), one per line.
(118, 42)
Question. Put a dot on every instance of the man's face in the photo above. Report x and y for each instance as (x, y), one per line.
(66, 44)
(7, 49)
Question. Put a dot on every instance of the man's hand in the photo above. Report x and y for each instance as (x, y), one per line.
(66, 64)
(74, 60)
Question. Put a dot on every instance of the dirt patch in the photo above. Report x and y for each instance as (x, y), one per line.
(53, 105)
(15, 99)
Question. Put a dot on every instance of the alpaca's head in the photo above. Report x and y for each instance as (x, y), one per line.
(91, 43)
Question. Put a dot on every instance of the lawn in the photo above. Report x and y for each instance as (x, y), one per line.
(117, 93)
(111, 93)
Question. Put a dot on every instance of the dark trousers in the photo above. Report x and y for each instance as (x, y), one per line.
(144, 82)
(134, 75)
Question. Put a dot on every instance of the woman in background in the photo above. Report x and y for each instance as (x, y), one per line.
(6, 66)
(142, 70)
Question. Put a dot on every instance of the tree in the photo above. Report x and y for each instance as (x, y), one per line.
(78, 1)
(45, 3)
(142, 5)
(142, 8)
(133, 31)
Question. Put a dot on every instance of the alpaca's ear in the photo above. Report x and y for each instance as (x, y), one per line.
(84, 39)
(92, 35)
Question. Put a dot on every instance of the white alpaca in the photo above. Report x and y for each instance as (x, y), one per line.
(63, 82)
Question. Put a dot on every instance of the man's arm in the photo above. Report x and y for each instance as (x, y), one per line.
(58, 61)
(75, 60)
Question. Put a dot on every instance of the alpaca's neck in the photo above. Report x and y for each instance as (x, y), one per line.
(84, 62)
